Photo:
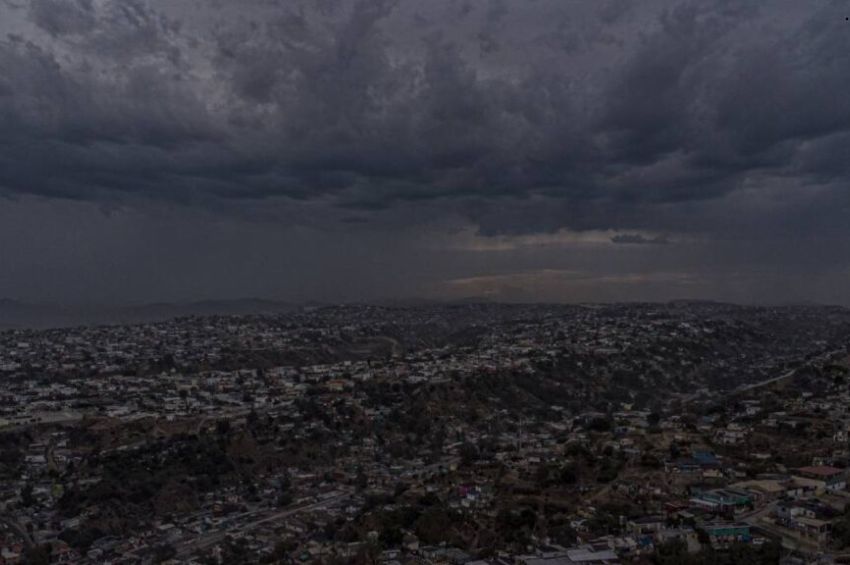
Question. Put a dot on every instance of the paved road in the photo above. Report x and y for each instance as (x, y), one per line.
(19, 530)
(754, 386)
(262, 517)
(787, 374)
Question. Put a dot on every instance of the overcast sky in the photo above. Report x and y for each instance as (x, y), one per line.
(342, 150)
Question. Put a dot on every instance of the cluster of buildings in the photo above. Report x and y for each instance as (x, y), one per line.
(453, 434)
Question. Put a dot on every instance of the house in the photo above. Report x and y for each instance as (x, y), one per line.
(809, 517)
(585, 555)
(646, 525)
(723, 499)
(822, 477)
(761, 490)
(450, 555)
(813, 508)
(699, 461)
(722, 535)
(818, 530)
(687, 535)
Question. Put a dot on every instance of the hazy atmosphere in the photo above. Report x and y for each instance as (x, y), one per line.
(425, 282)
(331, 150)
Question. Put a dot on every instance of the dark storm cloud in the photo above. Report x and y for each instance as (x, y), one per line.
(523, 117)
(63, 17)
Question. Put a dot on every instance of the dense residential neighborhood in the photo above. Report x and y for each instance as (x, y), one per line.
(688, 432)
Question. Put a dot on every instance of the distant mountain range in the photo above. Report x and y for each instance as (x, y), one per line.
(16, 314)
(30, 315)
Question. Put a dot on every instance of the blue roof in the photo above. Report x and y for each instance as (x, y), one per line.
(704, 457)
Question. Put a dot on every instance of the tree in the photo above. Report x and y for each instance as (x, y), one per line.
(284, 499)
(361, 481)
(673, 552)
(602, 424)
(568, 475)
(164, 552)
(608, 470)
(841, 531)
(468, 454)
(563, 534)
(675, 452)
(38, 555)
(390, 537)
(27, 498)
(433, 525)
(252, 420)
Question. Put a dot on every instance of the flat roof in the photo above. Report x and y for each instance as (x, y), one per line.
(821, 471)
(812, 522)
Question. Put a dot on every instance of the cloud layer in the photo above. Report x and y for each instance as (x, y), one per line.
(663, 122)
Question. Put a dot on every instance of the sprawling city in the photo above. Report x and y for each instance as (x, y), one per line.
(425, 282)
(685, 432)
